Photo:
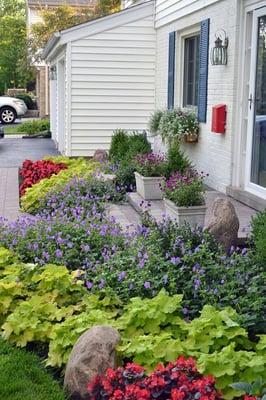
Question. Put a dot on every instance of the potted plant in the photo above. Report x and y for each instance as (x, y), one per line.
(149, 171)
(174, 125)
(183, 198)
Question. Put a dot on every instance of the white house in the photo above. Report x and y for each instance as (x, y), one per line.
(113, 72)
(105, 79)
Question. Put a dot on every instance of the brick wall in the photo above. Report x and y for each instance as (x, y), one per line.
(41, 91)
(213, 153)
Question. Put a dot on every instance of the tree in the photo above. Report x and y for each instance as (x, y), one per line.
(105, 7)
(53, 20)
(15, 70)
(63, 17)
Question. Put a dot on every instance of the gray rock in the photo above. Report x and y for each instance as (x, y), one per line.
(92, 354)
(100, 155)
(224, 223)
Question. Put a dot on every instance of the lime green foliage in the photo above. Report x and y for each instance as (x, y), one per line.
(153, 332)
(77, 167)
(65, 335)
(259, 236)
(23, 377)
(49, 304)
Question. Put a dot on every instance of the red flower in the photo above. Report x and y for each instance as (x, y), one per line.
(177, 381)
(33, 172)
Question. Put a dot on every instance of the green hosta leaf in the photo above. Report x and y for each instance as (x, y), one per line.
(242, 387)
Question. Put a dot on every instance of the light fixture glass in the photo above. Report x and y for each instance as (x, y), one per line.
(219, 51)
(53, 73)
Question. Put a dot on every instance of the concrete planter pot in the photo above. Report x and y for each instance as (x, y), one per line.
(194, 216)
(149, 187)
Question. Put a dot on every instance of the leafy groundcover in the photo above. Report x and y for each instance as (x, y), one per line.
(23, 377)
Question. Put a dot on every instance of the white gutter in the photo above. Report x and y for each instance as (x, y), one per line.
(50, 44)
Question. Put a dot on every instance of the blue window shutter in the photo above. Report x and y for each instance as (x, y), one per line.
(171, 71)
(203, 70)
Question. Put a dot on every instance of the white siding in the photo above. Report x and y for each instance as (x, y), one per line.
(167, 11)
(213, 153)
(112, 84)
(33, 16)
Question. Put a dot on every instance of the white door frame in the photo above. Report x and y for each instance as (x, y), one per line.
(250, 186)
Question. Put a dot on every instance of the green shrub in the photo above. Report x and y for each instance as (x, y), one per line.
(124, 146)
(258, 235)
(177, 160)
(125, 175)
(137, 144)
(27, 100)
(119, 145)
(154, 121)
(22, 376)
(35, 126)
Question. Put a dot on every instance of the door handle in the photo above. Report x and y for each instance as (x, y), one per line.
(250, 100)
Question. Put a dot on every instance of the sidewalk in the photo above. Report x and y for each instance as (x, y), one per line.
(9, 193)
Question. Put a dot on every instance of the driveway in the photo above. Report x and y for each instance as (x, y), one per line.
(14, 151)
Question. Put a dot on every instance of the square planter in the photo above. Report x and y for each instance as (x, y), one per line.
(149, 187)
(194, 216)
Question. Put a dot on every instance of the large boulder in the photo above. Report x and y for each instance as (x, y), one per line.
(100, 156)
(92, 354)
(224, 223)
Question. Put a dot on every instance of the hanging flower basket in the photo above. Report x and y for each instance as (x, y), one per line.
(191, 138)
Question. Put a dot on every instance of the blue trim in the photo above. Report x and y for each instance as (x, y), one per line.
(171, 71)
(203, 70)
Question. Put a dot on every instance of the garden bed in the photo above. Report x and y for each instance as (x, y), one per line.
(167, 289)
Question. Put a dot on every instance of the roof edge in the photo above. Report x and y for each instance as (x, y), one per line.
(50, 44)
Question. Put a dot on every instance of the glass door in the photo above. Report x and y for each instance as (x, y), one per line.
(256, 143)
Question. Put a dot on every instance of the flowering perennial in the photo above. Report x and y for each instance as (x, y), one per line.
(34, 171)
(185, 190)
(177, 381)
(151, 164)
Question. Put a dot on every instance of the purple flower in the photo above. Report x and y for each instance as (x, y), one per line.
(185, 311)
(147, 285)
(102, 284)
(58, 253)
(121, 276)
(175, 260)
(89, 285)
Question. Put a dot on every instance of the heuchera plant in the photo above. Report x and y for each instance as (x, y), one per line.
(34, 171)
(151, 164)
(177, 381)
(185, 190)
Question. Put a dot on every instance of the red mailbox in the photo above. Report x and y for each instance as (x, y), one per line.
(219, 118)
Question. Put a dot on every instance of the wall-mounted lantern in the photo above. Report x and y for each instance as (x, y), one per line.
(219, 51)
(53, 73)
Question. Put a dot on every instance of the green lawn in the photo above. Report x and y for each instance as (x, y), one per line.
(23, 377)
(12, 130)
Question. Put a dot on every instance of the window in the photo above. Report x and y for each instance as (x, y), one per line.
(191, 71)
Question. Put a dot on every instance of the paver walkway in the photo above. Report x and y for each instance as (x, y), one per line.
(157, 209)
(13, 151)
(12, 154)
(9, 195)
